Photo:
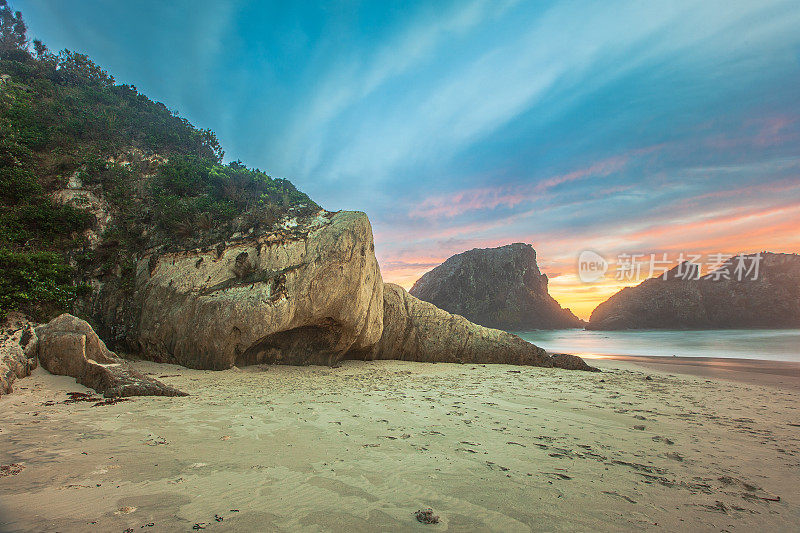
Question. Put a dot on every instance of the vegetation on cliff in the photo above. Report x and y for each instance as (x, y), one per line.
(146, 177)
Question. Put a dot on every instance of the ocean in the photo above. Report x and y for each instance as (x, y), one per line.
(767, 344)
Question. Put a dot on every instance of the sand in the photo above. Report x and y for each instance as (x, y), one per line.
(362, 447)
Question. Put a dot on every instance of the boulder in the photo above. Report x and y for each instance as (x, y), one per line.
(69, 346)
(571, 362)
(308, 294)
(419, 331)
(17, 352)
(495, 287)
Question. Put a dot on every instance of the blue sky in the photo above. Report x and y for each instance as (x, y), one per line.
(613, 126)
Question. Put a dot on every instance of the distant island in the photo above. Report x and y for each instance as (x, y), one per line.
(769, 298)
(496, 287)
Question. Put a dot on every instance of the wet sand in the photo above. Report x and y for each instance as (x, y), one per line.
(363, 446)
(781, 374)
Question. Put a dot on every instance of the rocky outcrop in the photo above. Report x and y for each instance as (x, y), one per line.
(17, 352)
(571, 362)
(68, 346)
(311, 293)
(305, 295)
(495, 287)
(772, 300)
(419, 331)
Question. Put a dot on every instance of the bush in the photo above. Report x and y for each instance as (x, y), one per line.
(37, 283)
(192, 191)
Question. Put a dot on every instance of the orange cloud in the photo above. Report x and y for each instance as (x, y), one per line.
(761, 228)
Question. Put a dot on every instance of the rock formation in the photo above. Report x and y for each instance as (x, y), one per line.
(17, 352)
(310, 293)
(772, 300)
(304, 295)
(68, 346)
(419, 331)
(495, 287)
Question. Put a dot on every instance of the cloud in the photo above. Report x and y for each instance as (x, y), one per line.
(509, 195)
(437, 113)
(354, 78)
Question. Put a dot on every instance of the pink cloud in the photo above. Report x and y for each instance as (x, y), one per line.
(450, 205)
(761, 131)
(772, 131)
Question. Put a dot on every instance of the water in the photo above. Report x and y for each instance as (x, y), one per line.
(769, 344)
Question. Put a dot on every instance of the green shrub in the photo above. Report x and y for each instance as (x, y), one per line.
(188, 189)
(35, 283)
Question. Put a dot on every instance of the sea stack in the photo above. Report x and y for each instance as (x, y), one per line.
(495, 287)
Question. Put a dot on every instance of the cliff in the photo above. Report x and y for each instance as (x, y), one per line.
(495, 287)
(772, 300)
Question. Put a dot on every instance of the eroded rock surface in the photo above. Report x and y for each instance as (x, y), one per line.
(495, 287)
(17, 352)
(306, 295)
(68, 346)
(419, 331)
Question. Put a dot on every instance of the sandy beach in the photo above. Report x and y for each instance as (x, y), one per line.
(363, 446)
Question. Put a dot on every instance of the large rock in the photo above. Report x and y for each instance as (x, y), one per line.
(772, 300)
(305, 295)
(68, 346)
(17, 352)
(419, 331)
(495, 287)
(310, 293)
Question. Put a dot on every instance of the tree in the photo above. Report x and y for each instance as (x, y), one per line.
(13, 32)
(41, 50)
(78, 69)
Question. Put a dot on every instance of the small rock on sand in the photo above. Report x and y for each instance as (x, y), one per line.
(426, 516)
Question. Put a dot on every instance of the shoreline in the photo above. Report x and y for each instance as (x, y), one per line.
(783, 374)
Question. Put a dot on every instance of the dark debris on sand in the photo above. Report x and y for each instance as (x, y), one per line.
(77, 397)
(11, 470)
(426, 516)
(111, 401)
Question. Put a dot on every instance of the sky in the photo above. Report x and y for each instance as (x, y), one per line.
(659, 127)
